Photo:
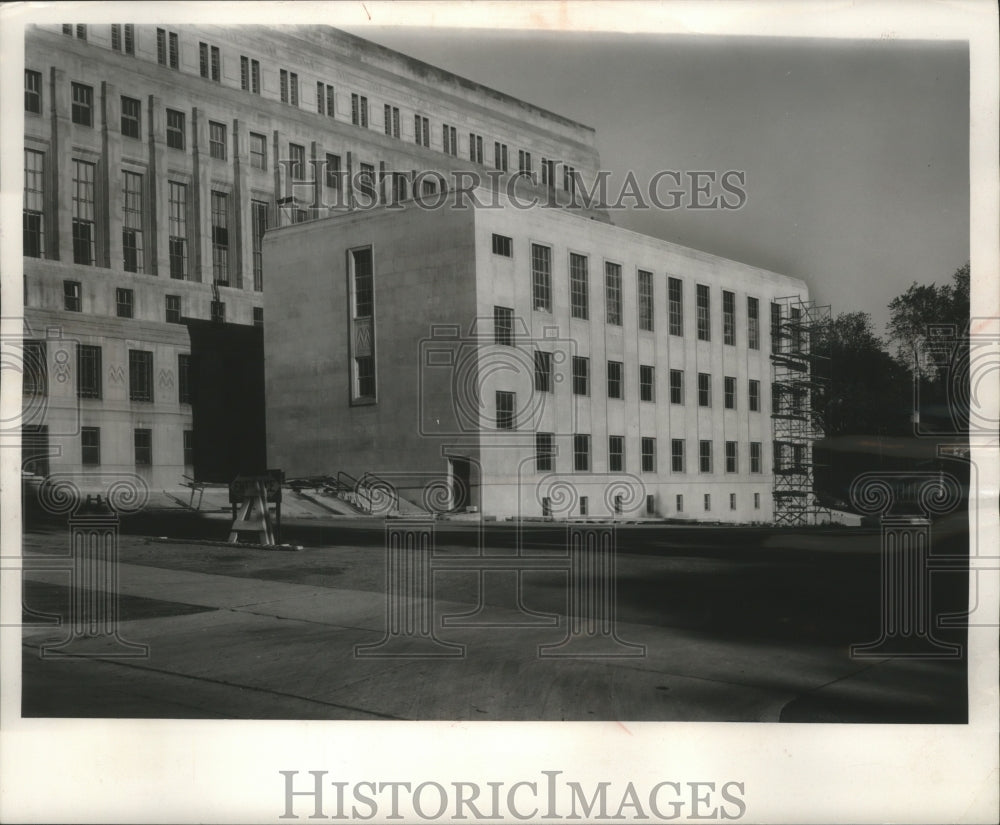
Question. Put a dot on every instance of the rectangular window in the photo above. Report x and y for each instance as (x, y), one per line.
(217, 311)
(366, 181)
(325, 99)
(728, 318)
(161, 47)
(220, 238)
(71, 296)
(258, 226)
(544, 452)
(391, 120)
(569, 179)
(616, 453)
(754, 393)
(502, 245)
(209, 61)
(83, 212)
(613, 293)
(359, 110)
(124, 302)
(35, 369)
(249, 75)
(503, 326)
(677, 459)
(500, 156)
(422, 131)
(297, 161)
(81, 31)
(541, 277)
(116, 37)
(755, 456)
(704, 318)
(83, 105)
(732, 501)
(449, 140)
(333, 170)
(143, 440)
(184, 378)
(753, 323)
(140, 375)
(258, 316)
(615, 388)
(578, 288)
(676, 386)
(90, 446)
(258, 151)
(132, 219)
(775, 327)
(217, 140)
(731, 459)
(175, 129)
(756, 501)
(584, 502)
(708, 502)
(32, 91)
(680, 503)
(675, 305)
(33, 220)
(581, 453)
(88, 371)
(524, 162)
(475, 147)
(729, 390)
(647, 383)
(705, 456)
(645, 300)
(704, 389)
(549, 173)
(543, 371)
(177, 239)
(173, 309)
(131, 116)
(505, 410)
(363, 306)
(649, 455)
(188, 446)
(581, 375)
(289, 88)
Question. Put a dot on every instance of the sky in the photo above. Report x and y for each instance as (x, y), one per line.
(855, 151)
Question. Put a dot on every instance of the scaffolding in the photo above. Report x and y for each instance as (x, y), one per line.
(799, 374)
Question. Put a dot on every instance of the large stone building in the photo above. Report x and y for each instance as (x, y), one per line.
(530, 362)
(156, 157)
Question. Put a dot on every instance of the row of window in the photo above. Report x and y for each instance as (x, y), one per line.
(210, 67)
(125, 304)
(584, 504)
(545, 454)
(142, 441)
(90, 373)
(541, 290)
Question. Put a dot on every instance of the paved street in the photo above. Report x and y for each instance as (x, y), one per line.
(738, 624)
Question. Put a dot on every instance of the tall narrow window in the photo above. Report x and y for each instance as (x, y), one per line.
(258, 221)
(32, 91)
(366, 181)
(124, 302)
(776, 327)
(88, 371)
(705, 456)
(524, 162)
(543, 371)
(188, 448)
(754, 395)
(83, 212)
(324, 99)
(363, 326)
(391, 120)
(731, 457)
(503, 326)
(35, 370)
(209, 62)
(549, 173)
(249, 75)
(704, 389)
(500, 156)
(677, 455)
(581, 375)
(581, 453)
(615, 388)
(217, 310)
(755, 456)
(174, 50)
(569, 179)
(175, 129)
(184, 378)
(676, 386)
(220, 238)
(449, 139)
(33, 219)
(143, 443)
(132, 247)
(704, 318)
(648, 455)
(333, 170)
(359, 110)
(421, 131)
(217, 140)
(72, 297)
(753, 323)
(541, 277)
(544, 452)
(647, 383)
(645, 284)
(258, 151)
(729, 391)
(161, 47)
(613, 292)
(90, 446)
(475, 147)
(506, 403)
(173, 309)
(83, 104)
(178, 238)
(293, 88)
(675, 305)
(728, 318)
(297, 156)
(578, 288)
(616, 453)
(140, 375)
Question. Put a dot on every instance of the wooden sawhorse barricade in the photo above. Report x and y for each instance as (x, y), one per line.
(589, 560)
